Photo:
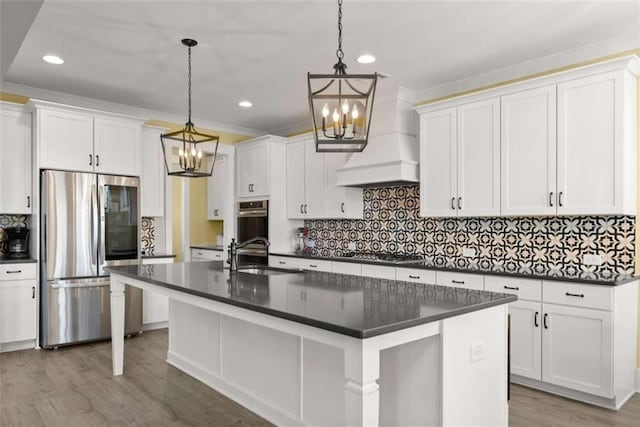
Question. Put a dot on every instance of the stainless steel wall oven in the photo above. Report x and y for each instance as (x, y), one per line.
(253, 221)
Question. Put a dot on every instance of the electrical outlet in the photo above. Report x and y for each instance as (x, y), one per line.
(468, 252)
(351, 246)
(592, 259)
(478, 351)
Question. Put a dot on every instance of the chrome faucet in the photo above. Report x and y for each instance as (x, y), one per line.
(233, 250)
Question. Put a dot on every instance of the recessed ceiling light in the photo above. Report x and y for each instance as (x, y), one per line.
(245, 104)
(366, 59)
(53, 59)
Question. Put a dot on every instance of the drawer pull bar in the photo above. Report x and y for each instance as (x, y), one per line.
(546, 325)
(281, 262)
(459, 282)
(535, 319)
(414, 277)
(513, 288)
(313, 265)
(569, 294)
(33, 292)
(14, 271)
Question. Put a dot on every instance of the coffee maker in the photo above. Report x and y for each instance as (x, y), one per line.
(17, 242)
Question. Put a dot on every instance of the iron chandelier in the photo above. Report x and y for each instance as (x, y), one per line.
(341, 105)
(183, 156)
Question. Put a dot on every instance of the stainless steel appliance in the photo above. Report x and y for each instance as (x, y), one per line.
(385, 257)
(17, 242)
(253, 222)
(89, 222)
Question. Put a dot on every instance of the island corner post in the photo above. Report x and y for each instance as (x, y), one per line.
(472, 389)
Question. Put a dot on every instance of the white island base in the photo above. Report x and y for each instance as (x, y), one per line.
(448, 372)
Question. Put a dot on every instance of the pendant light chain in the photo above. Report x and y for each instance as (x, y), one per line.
(189, 84)
(339, 52)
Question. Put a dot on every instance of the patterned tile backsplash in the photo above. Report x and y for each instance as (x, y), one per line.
(10, 221)
(148, 233)
(392, 223)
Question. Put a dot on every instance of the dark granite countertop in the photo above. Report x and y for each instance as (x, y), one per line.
(208, 247)
(356, 306)
(5, 260)
(588, 277)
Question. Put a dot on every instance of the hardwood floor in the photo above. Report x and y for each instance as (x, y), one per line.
(74, 387)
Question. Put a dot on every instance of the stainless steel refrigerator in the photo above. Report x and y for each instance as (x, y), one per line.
(88, 222)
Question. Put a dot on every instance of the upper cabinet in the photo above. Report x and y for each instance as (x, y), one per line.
(258, 163)
(87, 141)
(153, 173)
(563, 144)
(217, 185)
(15, 159)
(459, 157)
(311, 179)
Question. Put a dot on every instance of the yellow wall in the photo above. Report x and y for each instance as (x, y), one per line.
(638, 210)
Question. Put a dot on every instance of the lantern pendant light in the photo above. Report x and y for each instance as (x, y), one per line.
(183, 153)
(341, 105)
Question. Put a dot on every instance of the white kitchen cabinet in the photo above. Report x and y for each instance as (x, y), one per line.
(253, 168)
(155, 308)
(577, 348)
(217, 189)
(283, 262)
(478, 158)
(153, 173)
(17, 306)
(315, 264)
(305, 180)
(73, 139)
(65, 140)
(526, 338)
(596, 145)
(460, 280)
(379, 271)
(340, 202)
(351, 268)
(116, 146)
(528, 154)
(15, 160)
(198, 254)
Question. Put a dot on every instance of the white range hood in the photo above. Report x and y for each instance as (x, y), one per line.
(391, 155)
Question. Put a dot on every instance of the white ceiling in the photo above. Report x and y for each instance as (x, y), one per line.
(129, 52)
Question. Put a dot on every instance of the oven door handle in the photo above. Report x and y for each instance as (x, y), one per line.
(257, 213)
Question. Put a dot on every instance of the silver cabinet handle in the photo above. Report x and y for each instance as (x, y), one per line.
(551, 199)
(560, 202)
(90, 159)
(342, 207)
(97, 160)
(459, 202)
(28, 201)
(453, 201)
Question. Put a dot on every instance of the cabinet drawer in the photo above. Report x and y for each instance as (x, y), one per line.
(379, 271)
(590, 296)
(346, 268)
(416, 275)
(460, 280)
(203, 254)
(284, 262)
(524, 288)
(315, 264)
(147, 261)
(17, 271)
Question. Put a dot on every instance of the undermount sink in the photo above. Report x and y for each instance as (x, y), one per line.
(265, 271)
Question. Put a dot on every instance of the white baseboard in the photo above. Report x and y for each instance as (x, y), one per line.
(18, 345)
(156, 325)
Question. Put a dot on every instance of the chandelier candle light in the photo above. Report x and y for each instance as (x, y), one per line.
(191, 161)
(342, 103)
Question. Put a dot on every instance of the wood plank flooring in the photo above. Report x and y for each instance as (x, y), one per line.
(74, 387)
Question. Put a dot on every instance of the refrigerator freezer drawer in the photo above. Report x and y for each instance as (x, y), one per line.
(77, 312)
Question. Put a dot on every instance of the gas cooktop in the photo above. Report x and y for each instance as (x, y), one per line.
(382, 257)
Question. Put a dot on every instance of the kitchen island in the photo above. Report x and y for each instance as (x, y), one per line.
(311, 348)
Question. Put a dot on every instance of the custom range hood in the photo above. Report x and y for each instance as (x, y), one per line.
(391, 156)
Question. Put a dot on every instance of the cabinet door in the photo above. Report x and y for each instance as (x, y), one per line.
(590, 145)
(478, 158)
(438, 163)
(117, 146)
(314, 181)
(17, 311)
(153, 174)
(334, 196)
(244, 170)
(528, 159)
(261, 162)
(295, 179)
(65, 141)
(216, 188)
(577, 349)
(15, 162)
(526, 339)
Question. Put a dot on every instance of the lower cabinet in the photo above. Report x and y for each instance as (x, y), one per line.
(18, 306)
(155, 308)
(526, 339)
(206, 255)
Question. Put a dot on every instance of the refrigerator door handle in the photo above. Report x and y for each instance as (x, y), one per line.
(95, 211)
(100, 218)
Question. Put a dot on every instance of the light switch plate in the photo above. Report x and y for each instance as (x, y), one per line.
(478, 351)
(468, 252)
(351, 246)
(592, 259)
